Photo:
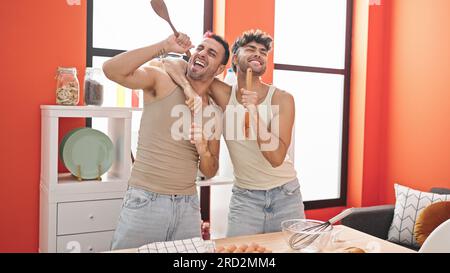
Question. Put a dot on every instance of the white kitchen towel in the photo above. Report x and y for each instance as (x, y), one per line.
(194, 245)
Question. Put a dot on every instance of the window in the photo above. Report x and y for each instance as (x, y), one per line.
(312, 61)
(115, 26)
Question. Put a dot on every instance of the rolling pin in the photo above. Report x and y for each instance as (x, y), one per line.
(248, 78)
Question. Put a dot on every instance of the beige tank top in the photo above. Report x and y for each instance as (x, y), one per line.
(163, 164)
(251, 169)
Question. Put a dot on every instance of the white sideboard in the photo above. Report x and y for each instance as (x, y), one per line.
(80, 216)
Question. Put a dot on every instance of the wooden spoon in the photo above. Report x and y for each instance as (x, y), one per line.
(249, 78)
(160, 8)
(248, 84)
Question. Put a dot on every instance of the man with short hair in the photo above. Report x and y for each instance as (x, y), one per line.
(266, 190)
(161, 203)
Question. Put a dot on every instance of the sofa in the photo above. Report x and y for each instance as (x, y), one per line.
(376, 220)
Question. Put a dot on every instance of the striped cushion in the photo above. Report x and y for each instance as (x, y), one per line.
(409, 203)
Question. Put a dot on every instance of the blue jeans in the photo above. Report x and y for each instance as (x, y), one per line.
(148, 217)
(262, 211)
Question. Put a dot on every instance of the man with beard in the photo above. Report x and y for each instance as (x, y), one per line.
(266, 190)
(161, 203)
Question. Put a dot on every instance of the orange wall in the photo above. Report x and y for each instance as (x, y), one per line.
(368, 91)
(357, 103)
(37, 37)
(400, 102)
(374, 95)
(417, 100)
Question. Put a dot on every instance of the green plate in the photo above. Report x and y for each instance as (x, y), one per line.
(89, 151)
(64, 140)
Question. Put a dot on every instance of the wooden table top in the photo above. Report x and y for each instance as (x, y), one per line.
(347, 237)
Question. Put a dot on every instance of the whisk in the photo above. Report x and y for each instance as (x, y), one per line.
(305, 237)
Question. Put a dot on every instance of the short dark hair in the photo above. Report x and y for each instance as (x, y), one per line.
(221, 41)
(249, 36)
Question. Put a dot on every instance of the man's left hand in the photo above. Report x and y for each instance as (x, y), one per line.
(197, 138)
(249, 98)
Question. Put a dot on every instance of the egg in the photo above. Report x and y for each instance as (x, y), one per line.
(354, 250)
(219, 249)
(231, 248)
(261, 249)
(254, 245)
(250, 249)
(243, 247)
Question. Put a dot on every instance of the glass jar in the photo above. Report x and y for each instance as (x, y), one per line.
(67, 86)
(93, 87)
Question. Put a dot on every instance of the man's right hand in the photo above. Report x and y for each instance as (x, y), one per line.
(176, 69)
(179, 44)
(194, 103)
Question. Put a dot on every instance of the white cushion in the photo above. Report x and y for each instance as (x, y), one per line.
(408, 205)
(439, 240)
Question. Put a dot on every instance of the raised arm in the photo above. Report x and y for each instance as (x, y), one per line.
(275, 142)
(219, 91)
(127, 68)
(209, 161)
(176, 68)
(208, 149)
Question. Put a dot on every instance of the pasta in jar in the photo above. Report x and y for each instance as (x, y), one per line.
(67, 86)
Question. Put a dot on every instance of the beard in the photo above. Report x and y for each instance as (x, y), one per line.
(199, 75)
(193, 75)
(257, 71)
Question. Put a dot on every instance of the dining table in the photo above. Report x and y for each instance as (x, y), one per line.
(344, 238)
